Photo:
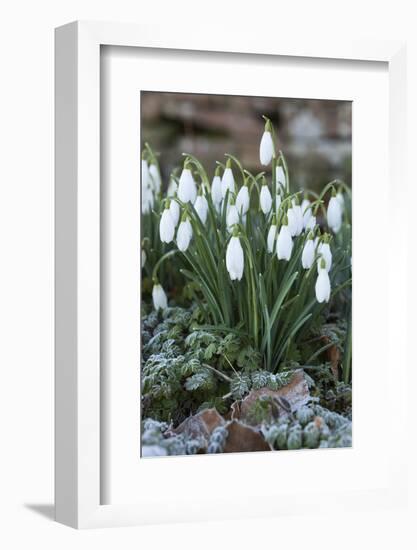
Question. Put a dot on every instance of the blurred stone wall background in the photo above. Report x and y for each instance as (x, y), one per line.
(314, 135)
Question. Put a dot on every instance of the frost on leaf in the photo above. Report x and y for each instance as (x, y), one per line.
(295, 393)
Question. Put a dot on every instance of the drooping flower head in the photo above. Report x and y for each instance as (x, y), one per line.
(172, 187)
(159, 298)
(292, 221)
(322, 287)
(284, 241)
(278, 199)
(234, 257)
(228, 180)
(187, 189)
(334, 213)
(232, 216)
(272, 233)
(166, 225)
(340, 198)
(201, 206)
(145, 172)
(309, 220)
(266, 147)
(147, 192)
(184, 233)
(265, 198)
(174, 208)
(298, 215)
(307, 257)
(324, 252)
(148, 199)
(242, 199)
(155, 177)
(280, 177)
(216, 189)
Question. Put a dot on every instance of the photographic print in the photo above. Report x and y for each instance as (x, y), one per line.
(246, 257)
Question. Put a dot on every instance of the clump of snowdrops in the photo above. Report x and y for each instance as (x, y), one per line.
(264, 261)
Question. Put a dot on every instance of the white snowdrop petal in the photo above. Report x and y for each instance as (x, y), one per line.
(341, 200)
(235, 259)
(307, 257)
(292, 221)
(307, 213)
(266, 148)
(155, 177)
(284, 243)
(334, 214)
(143, 258)
(174, 209)
(145, 174)
(325, 253)
(311, 223)
(278, 201)
(166, 227)
(271, 238)
(322, 287)
(184, 235)
(172, 188)
(265, 199)
(280, 176)
(187, 189)
(216, 190)
(242, 200)
(201, 208)
(232, 216)
(147, 200)
(159, 298)
(228, 182)
(298, 214)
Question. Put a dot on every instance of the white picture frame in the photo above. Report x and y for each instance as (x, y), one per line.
(78, 426)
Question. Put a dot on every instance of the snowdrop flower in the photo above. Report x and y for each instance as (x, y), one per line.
(232, 217)
(155, 177)
(308, 254)
(201, 207)
(216, 189)
(265, 199)
(187, 189)
(166, 225)
(322, 284)
(266, 148)
(272, 235)
(280, 177)
(228, 181)
(334, 214)
(326, 255)
(298, 216)
(159, 298)
(145, 173)
(284, 241)
(174, 209)
(242, 200)
(309, 220)
(184, 234)
(278, 201)
(143, 258)
(292, 221)
(341, 200)
(172, 187)
(235, 258)
(147, 200)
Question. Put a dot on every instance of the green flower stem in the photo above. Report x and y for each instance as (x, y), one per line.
(160, 261)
